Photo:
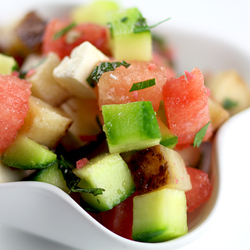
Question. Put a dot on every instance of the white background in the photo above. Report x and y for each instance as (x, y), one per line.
(228, 20)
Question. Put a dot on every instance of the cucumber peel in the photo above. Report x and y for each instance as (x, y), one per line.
(25, 153)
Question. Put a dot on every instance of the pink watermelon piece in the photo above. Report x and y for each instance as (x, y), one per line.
(95, 34)
(201, 188)
(14, 105)
(186, 106)
(162, 61)
(114, 86)
(81, 163)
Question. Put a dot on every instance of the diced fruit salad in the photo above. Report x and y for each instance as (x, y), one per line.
(90, 103)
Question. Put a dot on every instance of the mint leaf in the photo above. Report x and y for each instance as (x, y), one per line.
(229, 104)
(142, 85)
(94, 191)
(169, 141)
(15, 68)
(141, 22)
(103, 68)
(72, 180)
(124, 19)
(141, 25)
(62, 32)
(199, 135)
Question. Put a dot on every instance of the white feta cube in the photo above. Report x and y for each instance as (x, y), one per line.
(73, 71)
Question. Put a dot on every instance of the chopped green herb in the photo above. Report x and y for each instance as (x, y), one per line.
(141, 25)
(141, 22)
(102, 68)
(199, 135)
(170, 141)
(94, 191)
(124, 19)
(62, 32)
(91, 83)
(229, 104)
(142, 85)
(15, 67)
(72, 180)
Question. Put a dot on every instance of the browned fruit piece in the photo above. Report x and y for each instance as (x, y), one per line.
(30, 32)
(158, 167)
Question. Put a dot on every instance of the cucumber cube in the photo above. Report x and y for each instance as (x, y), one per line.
(159, 216)
(110, 172)
(130, 126)
(125, 44)
(25, 153)
(52, 175)
(94, 12)
(7, 64)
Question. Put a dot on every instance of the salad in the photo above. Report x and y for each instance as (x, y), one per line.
(91, 105)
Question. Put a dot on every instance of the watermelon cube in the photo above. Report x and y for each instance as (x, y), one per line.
(186, 106)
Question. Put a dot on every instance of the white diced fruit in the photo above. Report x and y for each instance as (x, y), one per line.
(229, 86)
(217, 113)
(44, 123)
(8, 174)
(84, 112)
(30, 62)
(73, 71)
(44, 86)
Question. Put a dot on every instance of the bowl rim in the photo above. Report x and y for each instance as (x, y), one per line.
(186, 239)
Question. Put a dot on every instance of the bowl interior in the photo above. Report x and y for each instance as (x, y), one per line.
(191, 50)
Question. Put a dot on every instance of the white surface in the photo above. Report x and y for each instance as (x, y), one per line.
(228, 21)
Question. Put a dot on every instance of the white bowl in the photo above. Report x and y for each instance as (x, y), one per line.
(41, 216)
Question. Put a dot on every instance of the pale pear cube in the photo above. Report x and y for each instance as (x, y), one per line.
(85, 128)
(44, 86)
(84, 112)
(218, 114)
(31, 61)
(44, 123)
(8, 174)
(73, 71)
(230, 86)
(158, 167)
(190, 155)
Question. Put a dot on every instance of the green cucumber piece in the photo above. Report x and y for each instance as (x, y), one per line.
(25, 153)
(110, 172)
(159, 216)
(7, 64)
(131, 126)
(125, 44)
(52, 175)
(95, 12)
